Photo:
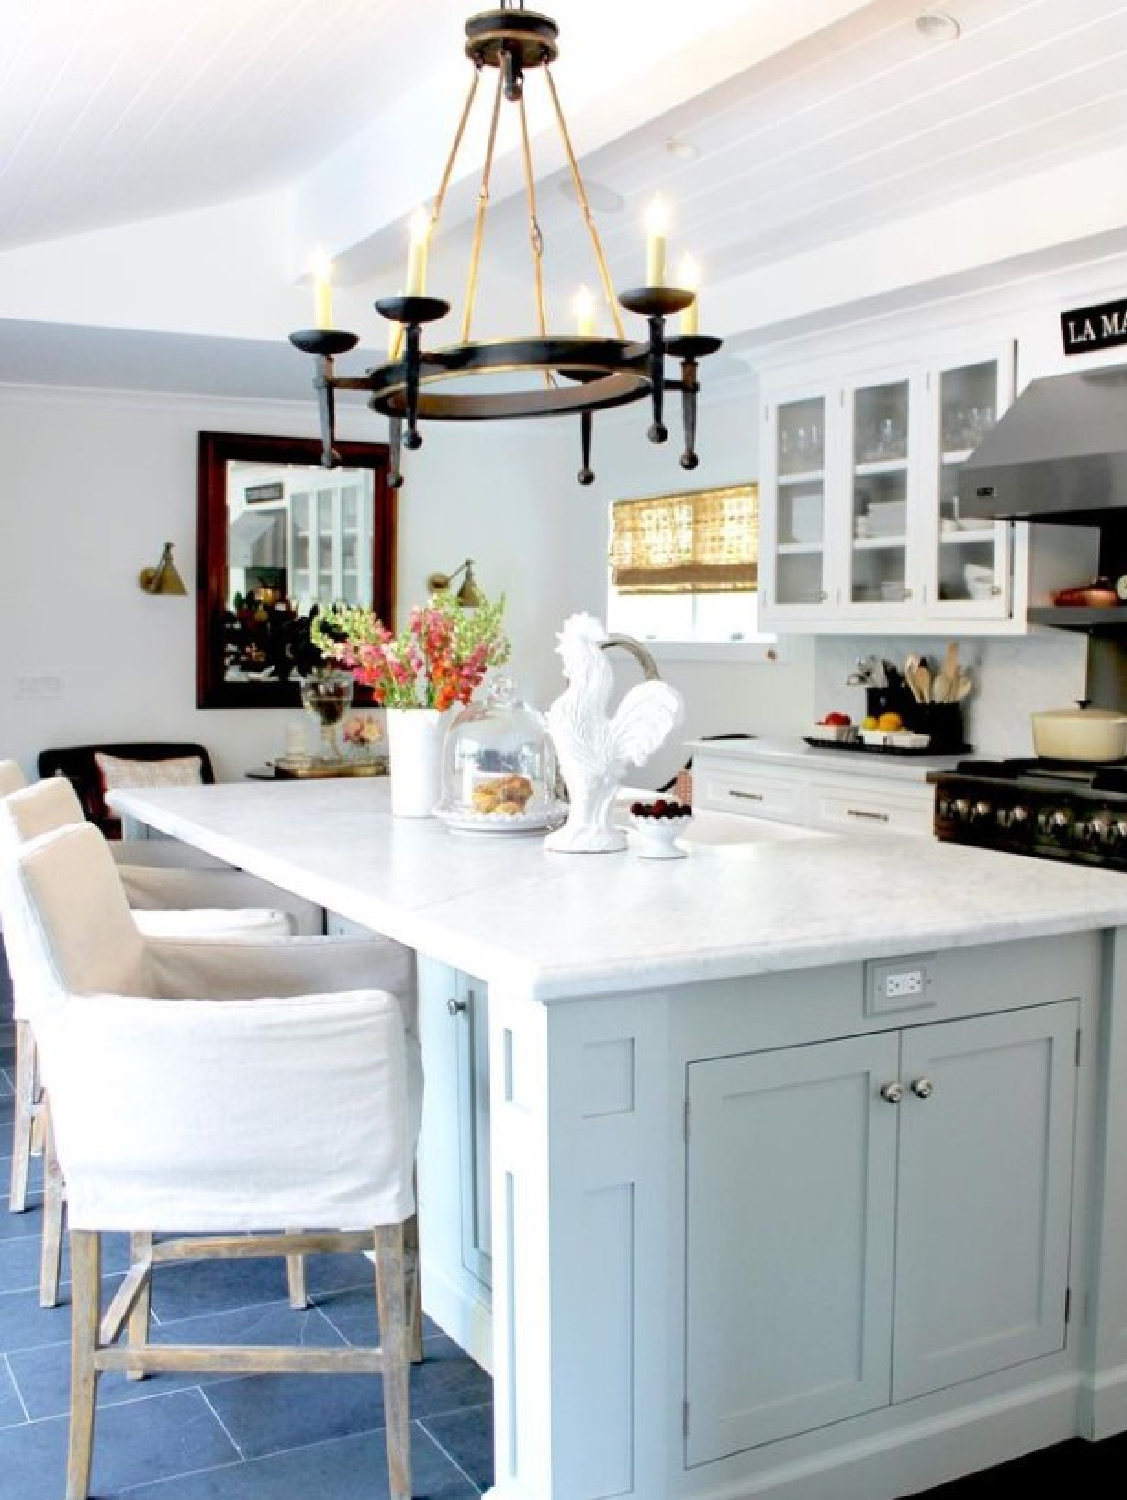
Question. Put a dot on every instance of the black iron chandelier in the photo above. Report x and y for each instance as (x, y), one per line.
(581, 373)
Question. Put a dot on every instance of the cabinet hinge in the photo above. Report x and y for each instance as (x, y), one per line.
(1078, 1035)
(684, 1418)
(685, 1121)
(1067, 1303)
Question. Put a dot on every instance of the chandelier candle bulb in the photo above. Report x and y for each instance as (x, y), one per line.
(689, 277)
(322, 268)
(419, 228)
(657, 227)
(584, 309)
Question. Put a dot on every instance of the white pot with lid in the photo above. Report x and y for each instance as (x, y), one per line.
(1082, 733)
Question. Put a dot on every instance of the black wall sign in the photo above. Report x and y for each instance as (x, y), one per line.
(1087, 328)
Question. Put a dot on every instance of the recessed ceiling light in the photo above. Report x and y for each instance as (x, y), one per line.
(599, 196)
(937, 26)
(683, 150)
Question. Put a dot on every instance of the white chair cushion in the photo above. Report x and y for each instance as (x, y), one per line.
(231, 922)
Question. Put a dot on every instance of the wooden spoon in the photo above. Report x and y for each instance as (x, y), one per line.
(922, 682)
(947, 679)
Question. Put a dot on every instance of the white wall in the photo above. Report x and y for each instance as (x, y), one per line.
(93, 484)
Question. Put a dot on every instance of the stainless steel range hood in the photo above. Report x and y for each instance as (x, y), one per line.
(1059, 453)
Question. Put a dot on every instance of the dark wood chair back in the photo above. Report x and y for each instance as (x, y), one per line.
(77, 764)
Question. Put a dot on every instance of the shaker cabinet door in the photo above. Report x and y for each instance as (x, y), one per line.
(791, 1169)
(985, 1184)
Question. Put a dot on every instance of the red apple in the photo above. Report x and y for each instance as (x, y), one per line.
(837, 719)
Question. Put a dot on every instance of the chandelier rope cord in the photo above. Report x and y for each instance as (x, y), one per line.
(479, 215)
(584, 205)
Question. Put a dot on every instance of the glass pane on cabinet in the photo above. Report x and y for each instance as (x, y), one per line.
(968, 405)
(802, 436)
(878, 555)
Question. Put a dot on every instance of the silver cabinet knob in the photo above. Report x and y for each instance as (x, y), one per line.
(892, 1093)
(923, 1088)
(455, 1007)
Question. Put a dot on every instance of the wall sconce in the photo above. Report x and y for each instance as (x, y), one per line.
(469, 596)
(163, 579)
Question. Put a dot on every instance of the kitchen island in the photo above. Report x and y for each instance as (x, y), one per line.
(802, 1155)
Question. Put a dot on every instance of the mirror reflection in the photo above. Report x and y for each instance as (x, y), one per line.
(281, 540)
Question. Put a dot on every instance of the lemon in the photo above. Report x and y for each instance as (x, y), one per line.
(870, 722)
(890, 722)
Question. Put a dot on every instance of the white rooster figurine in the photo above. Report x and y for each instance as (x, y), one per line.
(594, 747)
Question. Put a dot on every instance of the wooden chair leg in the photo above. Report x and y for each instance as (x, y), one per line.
(54, 1203)
(295, 1280)
(395, 1341)
(140, 1319)
(414, 1288)
(23, 1118)
(86, 1306)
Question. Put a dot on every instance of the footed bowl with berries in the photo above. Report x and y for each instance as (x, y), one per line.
(656, 826)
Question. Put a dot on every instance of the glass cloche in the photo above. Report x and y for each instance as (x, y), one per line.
(499, 767)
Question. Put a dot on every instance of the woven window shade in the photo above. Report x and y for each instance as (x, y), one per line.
(706, 541)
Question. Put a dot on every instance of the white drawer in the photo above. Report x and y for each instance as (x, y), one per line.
(748, 790)
(899, 810)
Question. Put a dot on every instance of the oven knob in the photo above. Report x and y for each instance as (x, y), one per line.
(1053, 820)
(981, 809)
(961, 808)
(1117, 833)
(1012, 817)
(1097, 831)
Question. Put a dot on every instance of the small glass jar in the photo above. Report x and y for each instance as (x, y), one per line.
(328, 697)
(499, 767)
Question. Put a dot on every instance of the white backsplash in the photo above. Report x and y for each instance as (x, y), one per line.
(1015, 676)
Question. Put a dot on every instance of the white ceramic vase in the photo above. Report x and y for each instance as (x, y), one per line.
(414, 759)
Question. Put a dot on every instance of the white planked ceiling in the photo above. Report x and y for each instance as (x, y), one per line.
(113, 111)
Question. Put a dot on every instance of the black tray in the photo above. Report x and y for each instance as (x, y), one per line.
(859, 747)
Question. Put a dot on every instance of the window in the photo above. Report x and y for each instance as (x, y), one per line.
(684, 568)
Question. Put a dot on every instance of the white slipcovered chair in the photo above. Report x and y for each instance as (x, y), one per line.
(25, 814)
(217, 1090)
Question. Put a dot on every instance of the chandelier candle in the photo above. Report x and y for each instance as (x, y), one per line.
(689, 276)
(657, 227)
(584, 308)
(322, 268)
(419, 229)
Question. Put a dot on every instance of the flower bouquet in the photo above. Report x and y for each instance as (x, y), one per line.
(440, 658)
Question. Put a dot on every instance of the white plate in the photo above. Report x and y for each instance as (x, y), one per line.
(533, 822)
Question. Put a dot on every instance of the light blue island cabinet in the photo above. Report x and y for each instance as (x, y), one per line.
(804, 1166)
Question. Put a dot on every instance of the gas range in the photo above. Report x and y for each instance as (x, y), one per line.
(1048, 809)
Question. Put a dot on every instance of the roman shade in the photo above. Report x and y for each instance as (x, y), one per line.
(702, 541)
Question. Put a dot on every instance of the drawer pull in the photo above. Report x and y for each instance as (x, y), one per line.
(746, 796)
(864, 812)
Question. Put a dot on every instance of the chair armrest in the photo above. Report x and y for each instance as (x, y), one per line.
(165, 853)
(226, 969)
(198, 1115)
(154, 888)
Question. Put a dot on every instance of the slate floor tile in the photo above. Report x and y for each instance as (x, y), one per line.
(353, 1468)
(136, 1443)
(466, 1436)
(268, 1413)
(11, 1407)
(42, 1376)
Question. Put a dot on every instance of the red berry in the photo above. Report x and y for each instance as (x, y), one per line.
(659, 807)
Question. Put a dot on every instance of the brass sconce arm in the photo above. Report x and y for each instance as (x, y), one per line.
(469, 596)
(164, 578)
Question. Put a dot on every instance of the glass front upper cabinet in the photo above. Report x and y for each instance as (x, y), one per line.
(800, 466)
(880, 438)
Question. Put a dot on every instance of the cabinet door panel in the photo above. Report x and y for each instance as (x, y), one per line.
(985, 1184)
(790, 1172)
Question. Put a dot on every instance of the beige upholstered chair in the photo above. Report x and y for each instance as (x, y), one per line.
(211, 1090)
(25, 814)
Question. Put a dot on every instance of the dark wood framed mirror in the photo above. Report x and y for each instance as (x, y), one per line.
(279, 537)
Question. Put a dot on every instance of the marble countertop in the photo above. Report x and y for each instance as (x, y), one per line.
(810, 757)
(751, 897)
